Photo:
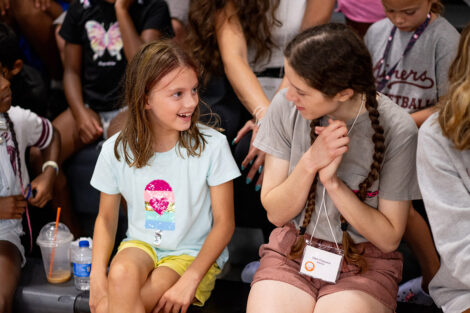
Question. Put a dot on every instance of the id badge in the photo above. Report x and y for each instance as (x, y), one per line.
(322, 262)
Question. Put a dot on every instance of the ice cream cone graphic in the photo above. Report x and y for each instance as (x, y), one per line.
(159, 206)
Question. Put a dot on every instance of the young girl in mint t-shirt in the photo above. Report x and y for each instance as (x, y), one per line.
(176, 177)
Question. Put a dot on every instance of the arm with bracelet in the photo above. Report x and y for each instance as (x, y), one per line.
(42, 185)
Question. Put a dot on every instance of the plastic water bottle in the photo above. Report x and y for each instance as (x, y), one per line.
(81, 260)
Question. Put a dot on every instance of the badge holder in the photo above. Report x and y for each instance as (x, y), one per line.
(321, 261)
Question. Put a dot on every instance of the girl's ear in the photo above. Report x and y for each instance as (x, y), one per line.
(147, 105)
(17, 66)
(344, 95)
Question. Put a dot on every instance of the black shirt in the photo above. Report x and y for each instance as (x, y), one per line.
(93, 24)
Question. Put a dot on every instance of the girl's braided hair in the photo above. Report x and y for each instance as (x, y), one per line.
(17, 148)
(332, 58)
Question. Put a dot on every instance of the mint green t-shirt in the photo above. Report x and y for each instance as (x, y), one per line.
(171, 194)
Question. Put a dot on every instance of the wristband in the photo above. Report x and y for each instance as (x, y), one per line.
(52, 164)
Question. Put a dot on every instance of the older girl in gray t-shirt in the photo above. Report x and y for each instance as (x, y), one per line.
(338, 165)
(443, 162)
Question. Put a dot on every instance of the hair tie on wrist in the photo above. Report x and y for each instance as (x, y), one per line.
(52, 164)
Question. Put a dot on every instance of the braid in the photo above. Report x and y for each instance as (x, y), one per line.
(351, 253)
(379, 148)
(299, 245)
(17, 148)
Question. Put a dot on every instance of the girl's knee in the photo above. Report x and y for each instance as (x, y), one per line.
(122, 274)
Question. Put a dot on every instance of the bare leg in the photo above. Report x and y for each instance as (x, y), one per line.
(10, 270)
(350, 301)
(70, 143)
(159, 281)
(129, 270)
(275, 296)
(418, 237)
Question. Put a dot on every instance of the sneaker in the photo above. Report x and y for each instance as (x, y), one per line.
(411, 292)
(249, 271)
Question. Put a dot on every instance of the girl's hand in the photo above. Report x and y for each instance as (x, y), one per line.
(43, 184)
(332, 141)
(255, 157)
(89, 127)
(12, 207)
(179, 297)
(98, 288)
(327, 174)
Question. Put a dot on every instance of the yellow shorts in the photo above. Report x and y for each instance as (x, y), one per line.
(178, 263)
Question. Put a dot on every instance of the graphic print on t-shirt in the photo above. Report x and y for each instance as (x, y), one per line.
(159, 206)
(405, 80)
(100, 39)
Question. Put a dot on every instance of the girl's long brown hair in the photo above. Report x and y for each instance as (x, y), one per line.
(454, 114)
(332, 58)
(153, 61)
(257, 17)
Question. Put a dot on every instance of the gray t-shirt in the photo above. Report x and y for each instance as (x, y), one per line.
(285, 134)
(420, 78)
(444, 180)
(179, 9)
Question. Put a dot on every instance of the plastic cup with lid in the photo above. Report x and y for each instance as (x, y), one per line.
(55, 251)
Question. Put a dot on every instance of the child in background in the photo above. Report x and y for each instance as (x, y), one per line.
(341, 155)
(26, 83)
(443, 163)
(101, 36)
(411, 51)
(20, 129)
(360, 14)
(176, 177)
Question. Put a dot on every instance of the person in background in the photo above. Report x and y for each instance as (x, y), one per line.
(20, 129)
(26, 83)
(33, 19)
(411, 51)
(361, 14)
(443, 163)
(239, 45)
(100, 37)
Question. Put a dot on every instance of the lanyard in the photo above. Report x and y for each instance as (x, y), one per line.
(388, 75)
(322, 203)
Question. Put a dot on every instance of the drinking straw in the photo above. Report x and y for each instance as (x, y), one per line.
(51, 263)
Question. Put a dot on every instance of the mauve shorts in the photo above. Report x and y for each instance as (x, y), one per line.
(380, 280)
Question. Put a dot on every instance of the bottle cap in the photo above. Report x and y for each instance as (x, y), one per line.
(83, 243)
